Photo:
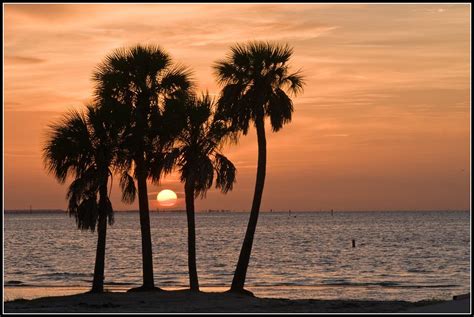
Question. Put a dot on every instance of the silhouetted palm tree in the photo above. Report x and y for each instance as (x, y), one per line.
(199, 160)
(139, 81)
(82, 145)
(256, 77)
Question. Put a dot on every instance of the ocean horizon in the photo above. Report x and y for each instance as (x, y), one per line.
(53, 210)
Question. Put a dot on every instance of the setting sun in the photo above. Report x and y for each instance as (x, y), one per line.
(167, 198)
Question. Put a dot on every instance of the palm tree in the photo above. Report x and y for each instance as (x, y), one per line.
(199, 160)
(256, 79)
(139, 81)
(82, 145)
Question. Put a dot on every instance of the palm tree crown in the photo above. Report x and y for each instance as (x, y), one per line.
(256, 79)
(141, 84)
(81, 146)
(198, 153)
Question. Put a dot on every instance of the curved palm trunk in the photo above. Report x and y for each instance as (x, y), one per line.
(244, 258)
(147, 255)
(193, 277)
(98, 282)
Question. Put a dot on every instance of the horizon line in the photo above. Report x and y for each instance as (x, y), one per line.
(58, 210)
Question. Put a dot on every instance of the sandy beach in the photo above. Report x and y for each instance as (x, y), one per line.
(185, 301)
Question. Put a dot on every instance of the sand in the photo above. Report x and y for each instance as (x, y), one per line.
(183, 301)
(453, 306)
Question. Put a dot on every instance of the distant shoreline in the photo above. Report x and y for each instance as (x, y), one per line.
(51, 211)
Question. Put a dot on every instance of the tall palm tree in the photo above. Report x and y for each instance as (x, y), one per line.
(82, 145)
(256, 79)
(199, 160)
(139, 81)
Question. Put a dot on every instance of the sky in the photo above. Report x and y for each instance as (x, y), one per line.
(383, 123)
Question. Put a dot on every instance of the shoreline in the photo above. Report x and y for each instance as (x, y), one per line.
(292, 292)
(184, 301)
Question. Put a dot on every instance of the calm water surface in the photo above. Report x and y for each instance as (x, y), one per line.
(398, 255)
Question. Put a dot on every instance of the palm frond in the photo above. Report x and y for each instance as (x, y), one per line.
(279, 109)
(170, 159)
(127, 185)
(203, 175)
(68, 149)
(294, 82)
(86, 212)
(226, 173)
(176, 79)
(105, 208)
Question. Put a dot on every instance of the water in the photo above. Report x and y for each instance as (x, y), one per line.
(398, 255)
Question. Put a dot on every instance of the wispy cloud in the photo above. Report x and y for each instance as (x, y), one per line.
(22, 60)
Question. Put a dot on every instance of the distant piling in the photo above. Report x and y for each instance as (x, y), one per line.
(353, 243)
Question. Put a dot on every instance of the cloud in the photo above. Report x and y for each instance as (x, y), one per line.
(22, 60)
(337, 135)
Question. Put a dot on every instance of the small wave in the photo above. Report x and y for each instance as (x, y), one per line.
(384, 284)
(169, 282)
(118, 283)
(65, 274)
(418, 271)
(10, 283)
(431, 286)
(281, 284)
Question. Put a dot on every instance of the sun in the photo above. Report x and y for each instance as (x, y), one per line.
(167, 198)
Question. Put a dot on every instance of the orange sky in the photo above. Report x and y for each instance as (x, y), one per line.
(383, 123)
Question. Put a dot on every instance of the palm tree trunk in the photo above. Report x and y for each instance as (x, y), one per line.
(193, 277)
(147, 255)
(98, 282)
(244, 258)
